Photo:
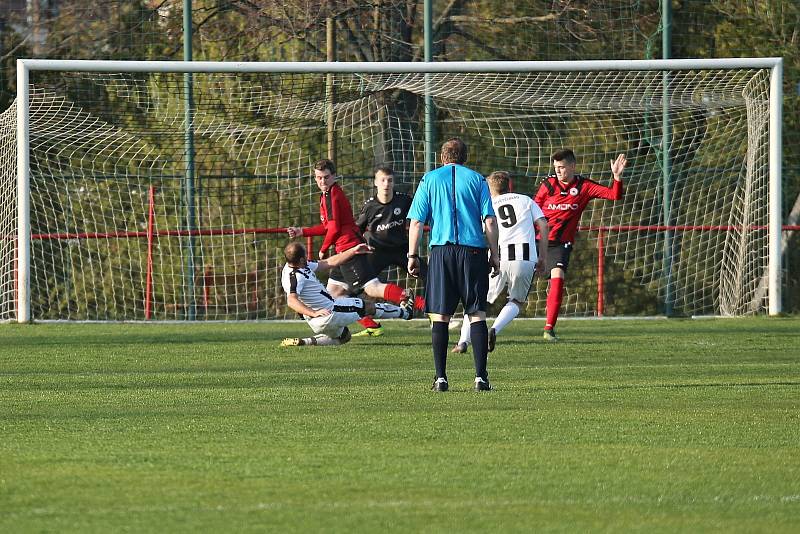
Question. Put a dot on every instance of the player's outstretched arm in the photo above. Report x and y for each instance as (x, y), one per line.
(342, 257)
(618, 166)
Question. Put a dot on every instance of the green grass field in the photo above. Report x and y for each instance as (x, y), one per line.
(651, 426)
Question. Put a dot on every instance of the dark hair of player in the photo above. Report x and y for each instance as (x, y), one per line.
(499, 182)
(454, 151)
(294, 253)
(385, 169)
(324, 164)
(565, 154)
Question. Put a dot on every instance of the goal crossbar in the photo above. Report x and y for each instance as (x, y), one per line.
(400, 67)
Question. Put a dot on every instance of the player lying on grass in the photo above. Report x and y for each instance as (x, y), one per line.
(563, 196)
(328, 317)
(519, 219)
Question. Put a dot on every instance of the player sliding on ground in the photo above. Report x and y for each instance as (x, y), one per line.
(563, 196)
(328, 317)
(519, 219)
(340, 231)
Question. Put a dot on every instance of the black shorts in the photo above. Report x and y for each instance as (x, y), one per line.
(353, 273)
(456, 274)
(557, 256)
(383, 257)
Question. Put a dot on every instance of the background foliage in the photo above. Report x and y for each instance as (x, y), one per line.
(391, 30)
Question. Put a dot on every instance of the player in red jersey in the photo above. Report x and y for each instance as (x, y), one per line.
(563, 196)
(340, 230)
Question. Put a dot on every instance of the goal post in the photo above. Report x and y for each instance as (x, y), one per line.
(507, 110)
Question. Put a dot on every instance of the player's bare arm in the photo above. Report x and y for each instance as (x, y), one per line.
(492, 237)
(544, 231)
(294, 231)
(297, 305)
(618, 166)
(342, 257)
(414, 236)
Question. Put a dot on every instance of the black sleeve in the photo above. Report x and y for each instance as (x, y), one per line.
(363, 217)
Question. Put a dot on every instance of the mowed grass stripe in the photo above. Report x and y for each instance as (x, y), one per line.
(626, 425)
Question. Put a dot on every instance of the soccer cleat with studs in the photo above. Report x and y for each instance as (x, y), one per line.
(407, 309)
(460, 348)
(292, 342)
(370, 332)
(440, 384)
(550, 336)
(482, 384)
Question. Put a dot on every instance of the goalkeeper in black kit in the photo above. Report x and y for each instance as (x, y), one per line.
(383, 222)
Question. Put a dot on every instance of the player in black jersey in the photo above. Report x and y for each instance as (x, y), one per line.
(383, 222)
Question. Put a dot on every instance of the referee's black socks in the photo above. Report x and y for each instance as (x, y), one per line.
(479, 334)
(440, 338)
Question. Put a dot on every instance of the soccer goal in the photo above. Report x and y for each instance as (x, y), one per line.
(160, 190)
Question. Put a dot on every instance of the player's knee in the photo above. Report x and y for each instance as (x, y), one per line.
(336, 290)
(476, 317)
(557, 272)
(374, 288)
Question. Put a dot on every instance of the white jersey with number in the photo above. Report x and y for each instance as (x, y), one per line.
(516, 215)
(303, 282)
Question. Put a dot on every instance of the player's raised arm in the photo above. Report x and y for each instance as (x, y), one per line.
(618, 166)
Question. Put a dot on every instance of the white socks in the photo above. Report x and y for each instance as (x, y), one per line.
(321, 340)
(387, 311)
(465, 335)
(506, 315)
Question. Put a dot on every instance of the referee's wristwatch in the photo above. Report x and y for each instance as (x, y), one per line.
(409, 255)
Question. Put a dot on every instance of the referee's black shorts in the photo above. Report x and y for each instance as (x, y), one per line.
(456, 273)
(557, 256)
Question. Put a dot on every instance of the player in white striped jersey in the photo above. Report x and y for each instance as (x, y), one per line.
(519, 218)
(327, 317)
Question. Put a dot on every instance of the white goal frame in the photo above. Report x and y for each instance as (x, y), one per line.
(25, 66)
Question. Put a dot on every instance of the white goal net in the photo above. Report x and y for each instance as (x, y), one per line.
(127, 223)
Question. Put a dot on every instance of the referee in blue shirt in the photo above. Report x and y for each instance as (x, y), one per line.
(454, 200)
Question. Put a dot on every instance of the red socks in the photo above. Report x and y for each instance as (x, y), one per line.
(394, 293)
(554, 302)
(368, 322)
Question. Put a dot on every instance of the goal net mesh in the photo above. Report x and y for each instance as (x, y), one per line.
(121, 231)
